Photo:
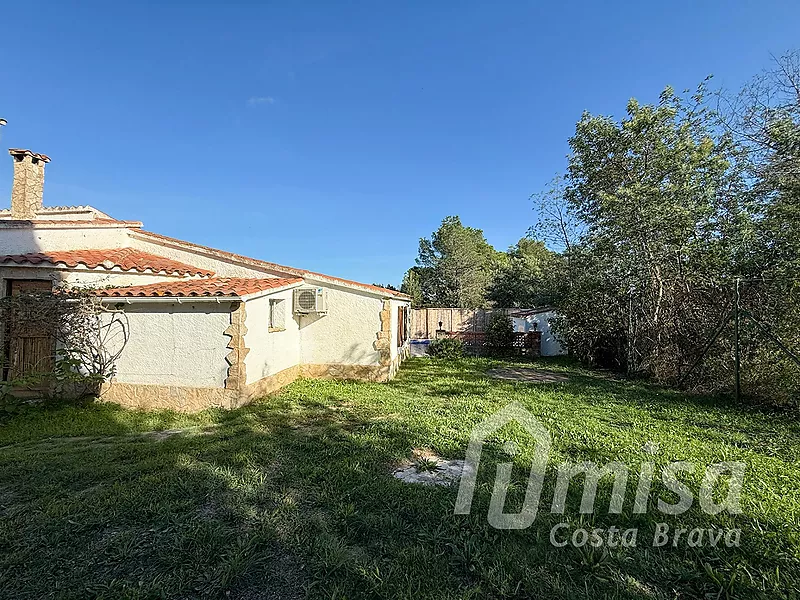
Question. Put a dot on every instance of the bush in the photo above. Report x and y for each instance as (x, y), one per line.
(447, 348)
(500, 333)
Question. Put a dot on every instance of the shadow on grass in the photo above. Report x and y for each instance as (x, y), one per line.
(293, 497)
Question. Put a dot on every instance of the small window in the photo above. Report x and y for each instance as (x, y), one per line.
(277, 315)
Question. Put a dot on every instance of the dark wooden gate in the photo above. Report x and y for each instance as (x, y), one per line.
(29, 350)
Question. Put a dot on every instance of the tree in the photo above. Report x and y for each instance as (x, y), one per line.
(531, 276)
(764, 119)
(455, 266)
(651, 191)
(412, 285)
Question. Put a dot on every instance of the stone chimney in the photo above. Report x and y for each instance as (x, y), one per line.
(28, 186)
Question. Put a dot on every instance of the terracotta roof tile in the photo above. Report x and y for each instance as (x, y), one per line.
(215, 286)
(24, 152)
(127, 259)
(56, 223)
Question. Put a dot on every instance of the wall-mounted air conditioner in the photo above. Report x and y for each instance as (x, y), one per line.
(310, 300)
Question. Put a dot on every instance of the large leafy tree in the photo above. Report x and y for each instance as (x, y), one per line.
(454, 267)
(653, 191)
(764, 119)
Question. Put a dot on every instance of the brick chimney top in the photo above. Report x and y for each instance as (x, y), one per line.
(28, 187)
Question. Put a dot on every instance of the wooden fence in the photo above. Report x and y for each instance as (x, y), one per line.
(469, 325)
(425, 322)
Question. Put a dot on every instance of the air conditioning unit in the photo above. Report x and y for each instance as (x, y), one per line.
(310, 300)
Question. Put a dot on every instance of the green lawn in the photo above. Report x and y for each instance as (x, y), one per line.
(293, 497)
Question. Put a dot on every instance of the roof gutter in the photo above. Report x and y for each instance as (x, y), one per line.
(168, 299)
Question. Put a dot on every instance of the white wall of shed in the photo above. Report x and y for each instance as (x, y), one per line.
(270, 351)
(550, 345)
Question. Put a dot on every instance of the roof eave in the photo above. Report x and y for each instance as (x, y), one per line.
(270, 291)
(168, 299)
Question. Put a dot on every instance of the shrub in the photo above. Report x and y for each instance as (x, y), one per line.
(447, 348)
(500, 333)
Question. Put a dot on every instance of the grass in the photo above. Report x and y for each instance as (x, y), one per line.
(293, 497)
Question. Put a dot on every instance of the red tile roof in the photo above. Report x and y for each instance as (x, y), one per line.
(56, 223)
(215, 286)
(127, 259)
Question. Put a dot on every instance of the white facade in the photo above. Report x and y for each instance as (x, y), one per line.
(59, 236)
(346, 334)
(271, 350)
(196, 343)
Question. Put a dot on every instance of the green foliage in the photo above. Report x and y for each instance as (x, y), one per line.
(655, 193)
(446, 348)
(661, 211)
(454, 267)
(426, 464)
(499, 333)
(531, 276)
(88, 340)
(66, 380)
(412, 285)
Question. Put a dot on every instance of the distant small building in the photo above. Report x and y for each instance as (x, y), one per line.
(538, 319)
(469, 324)
(206, 327)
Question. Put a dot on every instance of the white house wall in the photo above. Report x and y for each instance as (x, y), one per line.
(346, 335)
(221, 268)
(175, 344)
(23, 240)
(270, 351)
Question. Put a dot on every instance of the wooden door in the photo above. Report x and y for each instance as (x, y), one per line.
(29, 350)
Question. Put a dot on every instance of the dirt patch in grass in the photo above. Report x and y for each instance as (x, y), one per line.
(526, 375)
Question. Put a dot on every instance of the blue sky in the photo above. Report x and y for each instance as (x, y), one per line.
(332, 136)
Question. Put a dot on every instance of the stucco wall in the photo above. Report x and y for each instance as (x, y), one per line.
(175, 344)
(550, 344)
(347, 334)
(270, 351)
(221, 268)
(14, 240)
